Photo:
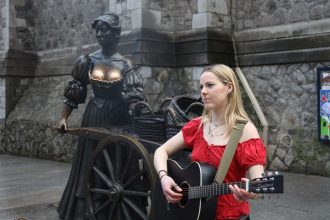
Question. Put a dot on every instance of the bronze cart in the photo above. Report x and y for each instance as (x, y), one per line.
(124, 165)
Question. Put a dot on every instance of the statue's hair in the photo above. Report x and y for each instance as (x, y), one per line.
(110, 19)
(234, 110)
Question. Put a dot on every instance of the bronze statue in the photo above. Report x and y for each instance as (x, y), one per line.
(116, 87)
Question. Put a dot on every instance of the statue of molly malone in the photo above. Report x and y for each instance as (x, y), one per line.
(116, 87)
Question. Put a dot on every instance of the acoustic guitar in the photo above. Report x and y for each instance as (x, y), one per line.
(200, 193)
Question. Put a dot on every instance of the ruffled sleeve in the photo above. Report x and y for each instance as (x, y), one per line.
(132, 85)
(251, 152)
(190, 132)
(76, 90)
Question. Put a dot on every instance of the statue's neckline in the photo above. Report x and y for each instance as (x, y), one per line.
(99, 55)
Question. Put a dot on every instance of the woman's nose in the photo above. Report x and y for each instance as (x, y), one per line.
(203, 91)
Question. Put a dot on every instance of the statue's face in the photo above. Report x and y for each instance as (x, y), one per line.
(104, 34)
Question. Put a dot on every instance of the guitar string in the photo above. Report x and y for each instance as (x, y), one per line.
(199, 191)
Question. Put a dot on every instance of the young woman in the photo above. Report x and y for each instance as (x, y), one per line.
(207, 137)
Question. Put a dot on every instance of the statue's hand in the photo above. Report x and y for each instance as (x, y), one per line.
(62, 126)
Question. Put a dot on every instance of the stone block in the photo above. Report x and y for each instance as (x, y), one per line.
(2, 101)
(135, 4)
(2, 113)
(145, 72)
(201, 20)
(271, 149)
(146, 18)
(327, 168)
(19, 2)
(216, 6)
(2, 90)
(136, 18)
(221, 7)
(118, 8)
(288, 158)
(112, 2)
(112, 8)
(277, 164)
(204, 5)
(2, 82)
(196, 73)
(280, 153)
(20, 23)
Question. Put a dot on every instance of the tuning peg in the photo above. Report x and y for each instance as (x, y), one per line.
(277, 173)
(270, 173)
(262, 196)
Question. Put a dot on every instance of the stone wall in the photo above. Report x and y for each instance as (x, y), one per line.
(3, 24)
(279, 46)
(288, 95)
(173, 15)
(2, 98)
(59, 24)
(265, 13)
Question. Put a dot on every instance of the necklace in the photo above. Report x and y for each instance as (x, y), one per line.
(217, 125)
(211, 131)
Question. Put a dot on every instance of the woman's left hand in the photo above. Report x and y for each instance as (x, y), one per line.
(241, 194)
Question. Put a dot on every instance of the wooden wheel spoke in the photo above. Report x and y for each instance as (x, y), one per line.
(102, 206)
(136, 193)
(120, 173)
(133, 178)
(109, 164)
(103, 176)
(112, 212)
(100, 191)
(118, 159)
(126, 212)
(135, 208)
(125, 171)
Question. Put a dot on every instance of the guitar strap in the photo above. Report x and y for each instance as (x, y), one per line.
(229, 151)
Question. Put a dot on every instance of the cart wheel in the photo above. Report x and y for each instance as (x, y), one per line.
(120, 180)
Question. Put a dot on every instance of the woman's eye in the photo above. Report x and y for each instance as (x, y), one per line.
(200, 87)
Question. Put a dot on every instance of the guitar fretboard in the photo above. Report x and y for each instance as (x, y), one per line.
(212, 190)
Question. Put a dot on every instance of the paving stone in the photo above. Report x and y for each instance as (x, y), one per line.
(31, 188)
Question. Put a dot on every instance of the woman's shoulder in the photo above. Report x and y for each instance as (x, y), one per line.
(249, 132)
(193, 124)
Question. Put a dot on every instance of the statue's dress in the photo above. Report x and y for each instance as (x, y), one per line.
(115, 85)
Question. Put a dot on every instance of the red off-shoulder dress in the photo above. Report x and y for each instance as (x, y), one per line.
(250, 152)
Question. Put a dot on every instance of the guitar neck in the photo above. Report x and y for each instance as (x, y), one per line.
(212, 190)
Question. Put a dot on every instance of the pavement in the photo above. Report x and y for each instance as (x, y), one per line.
(31, 188)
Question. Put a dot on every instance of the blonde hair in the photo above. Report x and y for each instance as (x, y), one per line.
(234, 109)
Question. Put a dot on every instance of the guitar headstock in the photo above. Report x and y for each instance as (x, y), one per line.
(270, 183)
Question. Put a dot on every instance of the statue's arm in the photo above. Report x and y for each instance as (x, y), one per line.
(75, 91)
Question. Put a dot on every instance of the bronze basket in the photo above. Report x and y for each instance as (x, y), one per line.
(181, 110)
(148, 124)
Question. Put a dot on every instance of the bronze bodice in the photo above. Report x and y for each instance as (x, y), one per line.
(105, 74)
(106, 81)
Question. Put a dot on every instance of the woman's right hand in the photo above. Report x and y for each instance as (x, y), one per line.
(62, 126)
(171, 190)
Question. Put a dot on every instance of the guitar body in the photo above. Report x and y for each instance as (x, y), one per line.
(195, 174)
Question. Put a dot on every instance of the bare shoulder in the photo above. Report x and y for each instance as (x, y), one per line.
(249, 132)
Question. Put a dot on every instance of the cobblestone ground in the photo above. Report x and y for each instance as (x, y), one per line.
(30, 189)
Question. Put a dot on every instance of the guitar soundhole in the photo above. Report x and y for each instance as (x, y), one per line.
(185, 189)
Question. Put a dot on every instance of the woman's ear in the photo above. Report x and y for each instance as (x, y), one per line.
(229, 88)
